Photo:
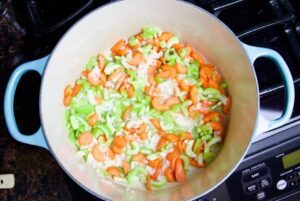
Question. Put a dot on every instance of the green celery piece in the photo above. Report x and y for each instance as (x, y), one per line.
(135, 148)
(208, 157)
(149, 32)
(206, 129)
(163, 44)
(160, 80)
(172, 41)
(184, 107)
(110, 68)
(146, 49)
(74, 122)
(105, 173)
(67, 115)
(153, 156)
(170, 54)
(172, 62)
(105, 129)
(72, 136)
(86, 110)
(175, 108)
(91, 63)
(206, 137)
(133, 41)
(186, 162)
(183, 52)
(212, 93)
(216, 119)
(197, 144)
(146, 151)
(158, 184)
(188, 149)
(224, 85)
(193, 70)
(96, 132)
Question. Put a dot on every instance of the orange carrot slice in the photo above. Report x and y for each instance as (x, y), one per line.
(113, 171)
(85, 139)
(67, 100)
(180, 68)
(172, 137)
(161, 143)
(169, 173)
(165, 36)
(111, 154)
(212, 115)
(93, 119)
(120, 141)
(126, 166)
(136, 59)
(101, 62)
(149, 186)
(194, 94)
(98, 155)
(156, 123)
(118, 45)
(141, 158)
(179, 171)
(76, 89)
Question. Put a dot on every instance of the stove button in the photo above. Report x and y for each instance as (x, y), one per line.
(298, 173)
(290, 177)
(261, 195)
(265, 183)
(292, 184)
(251, 188)
(281, 184)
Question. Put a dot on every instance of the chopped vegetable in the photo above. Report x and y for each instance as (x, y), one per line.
(149, 111)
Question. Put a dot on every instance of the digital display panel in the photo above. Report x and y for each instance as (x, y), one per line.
(291, 159)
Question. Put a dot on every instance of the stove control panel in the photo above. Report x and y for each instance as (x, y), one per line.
(272, 178)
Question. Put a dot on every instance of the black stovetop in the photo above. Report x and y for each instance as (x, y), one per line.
(29, 29)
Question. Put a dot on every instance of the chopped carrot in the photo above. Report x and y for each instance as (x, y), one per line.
(171, 155)
(183, 86)
(93, 79)
(198, 58)
(157, 172)
(169, 173)
(130, 138)
(152, 80)
(180, 68)
(117, 73)
(126, 113)
(141, 158)
(165, 36)
(141, 129)
(101, 62)
(93, 119)
(98, 155)
(120, 141)
(113, 171)
(67, 100)
(117, 149)
(156, 123)
(172, 101)
(136, 59)
(161, 143)
(187, 136)
(200, 148)
(216, 126)
(172, 137)
(143, 136)
(167, 67)
(213, 84)
(149, 186)
(179, 145)
(68, 90)
(152, 69)
(212, 115)
(178, 46)
(170, 73)
(155, 163)
(194, 94)
(85, 138)
(130, 91)
(85, 73)
(103, 79)
(194, 163)
(118, 45)
(111, 154)
(76, 89)
(179, 172)
(120, 81)
(103, 138)
(126, 166)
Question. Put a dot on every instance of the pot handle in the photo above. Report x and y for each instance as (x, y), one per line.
(264, 124)
(37, 138)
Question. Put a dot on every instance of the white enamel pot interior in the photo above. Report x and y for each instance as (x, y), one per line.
(97, 32)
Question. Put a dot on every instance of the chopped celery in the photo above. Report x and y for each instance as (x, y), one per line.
(163, 44)
(206, 129)
(167, 147)
(224, 85)
(172, 41)
(133, 41)
(133, 176)
(74, 122)
(212, 93)
(200, 159)
(172, 62)
(146, 151)
(104, 172)
(105, 129)
(193, 70)
(206, 137)
(216, 119)
(170, 54)
(188, 149)
(146, 49)
(110, 68)
(160, 80)
(158, 184)
(208, 157)
(183, 52)
(91, 63)
(135, 148)
(196, 145)
(175, 108)
(72, 136)
(153, 156)
(186, 162)
(96, 132)
(88, 109)
(149, 32)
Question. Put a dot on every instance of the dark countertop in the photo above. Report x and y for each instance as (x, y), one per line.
(37, 175)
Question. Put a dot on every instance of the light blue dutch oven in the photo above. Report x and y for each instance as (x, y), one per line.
(97, 32)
